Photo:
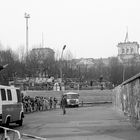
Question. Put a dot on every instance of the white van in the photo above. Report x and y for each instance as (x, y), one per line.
(72, 98)
(11, 107)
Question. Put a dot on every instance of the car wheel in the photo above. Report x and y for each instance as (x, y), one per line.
(7, 122)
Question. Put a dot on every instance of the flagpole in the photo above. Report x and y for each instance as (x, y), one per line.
(126, 37)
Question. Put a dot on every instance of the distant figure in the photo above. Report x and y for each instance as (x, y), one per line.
(54, 102)
(50, 102)
(63, 104)
(102, 87)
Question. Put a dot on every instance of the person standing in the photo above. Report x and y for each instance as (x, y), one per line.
(63, 104)
(54, 102)
(50, 102)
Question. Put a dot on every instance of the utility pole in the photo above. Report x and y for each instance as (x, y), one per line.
(124, 69)
(61, 73)
(27, 16)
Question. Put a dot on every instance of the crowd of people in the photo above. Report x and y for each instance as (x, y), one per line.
(39, 103)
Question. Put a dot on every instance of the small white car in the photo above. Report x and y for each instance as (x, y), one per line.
(72, 98)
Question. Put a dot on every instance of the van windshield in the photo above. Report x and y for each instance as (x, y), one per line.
(72, 96)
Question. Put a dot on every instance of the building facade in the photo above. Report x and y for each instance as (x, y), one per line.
(43, 53)
(44, 57)
(128, 51)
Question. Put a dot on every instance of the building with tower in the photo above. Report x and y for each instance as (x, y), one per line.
(128, 51)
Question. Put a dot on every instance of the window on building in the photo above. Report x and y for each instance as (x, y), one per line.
(132, 50)
(123, 51)
(9, 94)
(127, 51)
(3, 94)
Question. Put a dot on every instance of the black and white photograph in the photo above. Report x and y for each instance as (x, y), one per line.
(69, 70)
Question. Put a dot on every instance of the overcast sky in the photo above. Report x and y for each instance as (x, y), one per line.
(89, 28)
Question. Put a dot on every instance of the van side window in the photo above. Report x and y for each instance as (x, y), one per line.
(18, 95)
(3, 95)
(9, 94)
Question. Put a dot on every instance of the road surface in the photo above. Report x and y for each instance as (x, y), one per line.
(99, 122)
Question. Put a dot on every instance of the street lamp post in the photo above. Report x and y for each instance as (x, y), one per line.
(27, 16)
(61, 73)
(124, 71)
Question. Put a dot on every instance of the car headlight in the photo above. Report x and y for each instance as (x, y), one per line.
(77, 101)
(68, 101)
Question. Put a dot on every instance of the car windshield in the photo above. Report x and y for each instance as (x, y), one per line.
(72, 96)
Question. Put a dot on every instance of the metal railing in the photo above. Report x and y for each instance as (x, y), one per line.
(11, 134)
(33, 137)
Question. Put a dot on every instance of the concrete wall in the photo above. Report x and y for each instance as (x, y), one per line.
(126, 97)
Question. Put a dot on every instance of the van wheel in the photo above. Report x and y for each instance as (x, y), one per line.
(7, 122)
(20, 122)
